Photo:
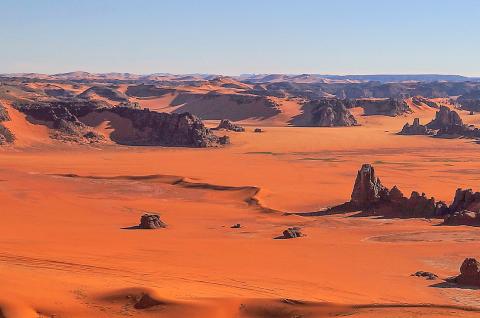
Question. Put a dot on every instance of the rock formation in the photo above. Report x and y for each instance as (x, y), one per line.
(469, 273)
(368, 189)
(415, 129)
(151, 221)
(228, 125)
(151, 128)
(387, 107)
(330, 113)
(6, 135)
(373, 198)
(258, 130)
(426, 275)
(419, 100)
(445, 118)
(236, 226)
(463, 217)
(292, 232)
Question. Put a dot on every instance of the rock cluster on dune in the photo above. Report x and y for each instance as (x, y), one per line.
(469, 273)
(151, 222)
(228, 125)
(416, 129)
(331, 112)
(6, 135)
(465, 209)
(292, 232)
(373, 198)
(419, 100)
(151, 128)
(387, 107)
(447, 123)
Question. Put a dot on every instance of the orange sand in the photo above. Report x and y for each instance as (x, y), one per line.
(64, 251)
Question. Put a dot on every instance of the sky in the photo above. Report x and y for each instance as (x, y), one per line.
(233, 37)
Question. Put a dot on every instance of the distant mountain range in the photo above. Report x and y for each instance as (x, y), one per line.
(251, 78)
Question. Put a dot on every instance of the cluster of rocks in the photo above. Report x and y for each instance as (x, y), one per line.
(386, 107)
(291, 232)
(447, 123)
(470, 101)
(6, 135)
(419, 101)
(151, 222)
(151, 128)
(163, 129)
(373, 198)
(331, 112)
(426, 275)
(416, 129)
(228, 125)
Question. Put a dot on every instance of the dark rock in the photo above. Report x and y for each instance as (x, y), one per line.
(147, 301)
(151, 221)
(163, 129)
(236, 226)
(4, 116)
(445, 118)
(292, 232)
(368, 189)
(415, 129)
(426, 275)
(228, 125)
(105, 92)
(327, 112)
(258, 130)
(463, 217)
(465, 199)
(6, 135)
(419, 100)
(224, 140)
(469, 273)
(388, 107)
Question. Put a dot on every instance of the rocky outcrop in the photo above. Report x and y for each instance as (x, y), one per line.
(163, 129)
(105, 92)
(426, 275)
(371, 197)
(327, 112)
(416, 129)
(151, 128)
(419, 101)
(228, 125)
(470, 101)
(387, 107)
(469, 273)
(463, 217)
(445, 118)
(367, 190)
(6, 135)
(465, 199)
(258, 130)
(151, 221)
(291, 232)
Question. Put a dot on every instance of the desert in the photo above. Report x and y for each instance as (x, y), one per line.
(144, 221)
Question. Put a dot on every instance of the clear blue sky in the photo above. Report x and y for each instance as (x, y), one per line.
(248, 36)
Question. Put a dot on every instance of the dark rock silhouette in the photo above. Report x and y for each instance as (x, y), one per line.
(426, 275)
(445, 118)
(368, 189)
(325, 112)
(463, 217)
(228, 125)
(258, 130)
(151, 221)
(387, 107)
(465, 199)
(6, 135)
(415, 129)
(291, 232)
(371, 197)
(469, 273)
(147, 301)
(236, 226)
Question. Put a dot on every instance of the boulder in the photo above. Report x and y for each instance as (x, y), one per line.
(426, 275)
(465, 199)
(228, 125)
(236, 226)
(330, 112)
(258, 130)
(415, 129)
(368, 189)
(151, 221)
(387, 106)
(463, 217)
(469, 273)
(292, 232)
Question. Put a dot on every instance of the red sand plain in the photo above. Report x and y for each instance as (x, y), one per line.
(65, 250)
